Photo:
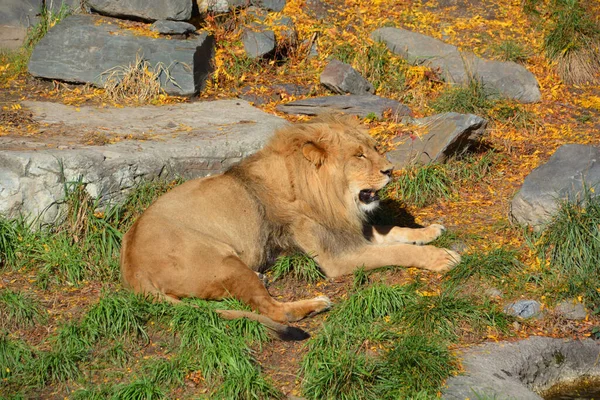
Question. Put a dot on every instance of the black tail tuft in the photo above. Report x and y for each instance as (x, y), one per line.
(292, 334)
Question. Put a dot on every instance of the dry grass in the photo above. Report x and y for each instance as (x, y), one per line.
(581, 66)
(137, 83)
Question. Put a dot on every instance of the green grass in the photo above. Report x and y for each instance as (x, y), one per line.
(19, 309)
(388, 342)
(498, 263)
(513, 114)
(416, 366)
(572, 40)
(447, 314)
(300, 265)
(373, 303)
(472, 98)
(374, 61)
(141, 389)
(421, 185)
(117, 315)
(56, 366)
(14, 356)
(571, 246)
(509, 50)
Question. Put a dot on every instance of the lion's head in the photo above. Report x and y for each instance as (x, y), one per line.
(333, 169)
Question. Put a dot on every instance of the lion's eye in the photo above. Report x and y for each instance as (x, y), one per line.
(360, 155)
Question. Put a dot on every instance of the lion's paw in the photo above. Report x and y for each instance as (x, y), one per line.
(325, 303)
(436, 230)
(446, 260)
(321, 303)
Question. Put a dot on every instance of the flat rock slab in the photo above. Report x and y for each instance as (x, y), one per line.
(166, 27)
(447, 135)
(518, 370)
(571, 168)
(86, 48)
(353, 104)
(508, 79)
(177, 10)
(187, 140)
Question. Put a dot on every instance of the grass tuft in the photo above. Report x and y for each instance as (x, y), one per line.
(142, 389)
(15, 355)
(473, 98)
(421, 185)
(573, 41)
(137, 83)
(416, 364)
(509, 50)
(497, 263)
(117, 315)
(373, 303)
(302, 267)
(19, 309)
(571, 244)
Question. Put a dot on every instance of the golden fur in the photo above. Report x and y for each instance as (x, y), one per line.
(208, 237)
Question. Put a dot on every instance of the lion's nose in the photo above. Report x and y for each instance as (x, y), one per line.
(388, 172)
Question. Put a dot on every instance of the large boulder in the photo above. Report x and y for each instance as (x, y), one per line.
(259, 41)
(177, 10)
(508, 79)
(84, 48)
(445, 135)
(187, 140)
(351, 104)
(569, 170)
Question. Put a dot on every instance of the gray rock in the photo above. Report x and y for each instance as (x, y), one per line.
(84, 48)
(518, 370)
(19, 12)
(15, 17)
(166, 27)
(258, 41)
(318, 9)
(187, 140)
(524, 308)
(351, 104)
(341, 78)
(508, 79)
(220, 6)
(448, 134)
(270, 5)
(571, 168)
(571, 309)
(261, 94)
(177, 10)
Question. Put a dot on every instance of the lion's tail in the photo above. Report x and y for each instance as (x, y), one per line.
(284, 332)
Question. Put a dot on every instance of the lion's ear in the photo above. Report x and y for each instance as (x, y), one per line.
(314, 153)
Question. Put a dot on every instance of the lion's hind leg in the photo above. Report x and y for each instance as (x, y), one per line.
(243, 283)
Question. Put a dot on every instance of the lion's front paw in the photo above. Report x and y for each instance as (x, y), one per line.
(429, 234)
(323, 304)
(446, 260)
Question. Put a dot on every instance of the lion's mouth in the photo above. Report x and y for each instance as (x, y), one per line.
(368, 196)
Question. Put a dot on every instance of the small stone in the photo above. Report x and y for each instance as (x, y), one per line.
(270, 5)
(524, 308)
(166, 27)
(448, 134)
(258, 43)
(493, 292)
(571, 309)
(341, 78)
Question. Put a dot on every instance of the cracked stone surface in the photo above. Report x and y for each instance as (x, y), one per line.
(522, 369)
(142, 143)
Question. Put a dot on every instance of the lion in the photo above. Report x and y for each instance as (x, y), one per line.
(309, 189)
